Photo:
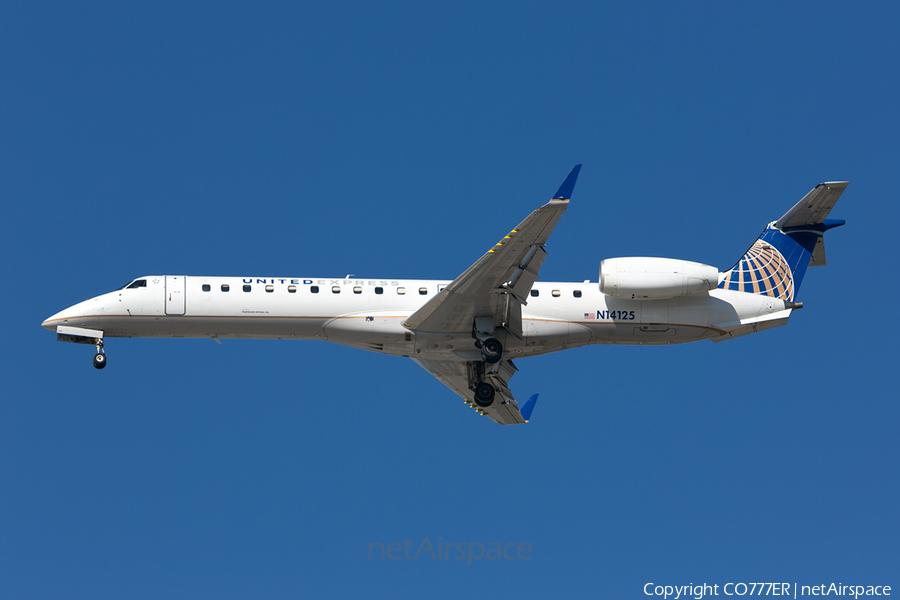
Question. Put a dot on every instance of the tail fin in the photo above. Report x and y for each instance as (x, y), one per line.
(776, 263)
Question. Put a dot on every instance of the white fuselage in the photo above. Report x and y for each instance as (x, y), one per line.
(367, 314)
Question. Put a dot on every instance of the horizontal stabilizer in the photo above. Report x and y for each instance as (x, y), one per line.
(813, 209)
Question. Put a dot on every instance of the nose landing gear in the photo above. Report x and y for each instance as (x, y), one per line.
(100, 357)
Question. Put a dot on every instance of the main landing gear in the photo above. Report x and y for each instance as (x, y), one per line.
(484, 394)
(483, 391)
(100, 357)
(491, 353)
(491, 350)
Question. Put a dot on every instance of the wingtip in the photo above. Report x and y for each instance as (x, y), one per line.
(565, 190)
(528, 408)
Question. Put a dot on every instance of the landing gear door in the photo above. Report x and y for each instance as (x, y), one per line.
(174, 295)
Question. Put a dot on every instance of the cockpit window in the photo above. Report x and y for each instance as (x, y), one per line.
(136, 284)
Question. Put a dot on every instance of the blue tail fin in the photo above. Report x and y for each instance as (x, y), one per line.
(776, 263)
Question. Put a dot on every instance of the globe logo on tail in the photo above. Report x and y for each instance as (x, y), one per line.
(764, 271)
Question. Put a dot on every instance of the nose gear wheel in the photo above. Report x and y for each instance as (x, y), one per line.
(100, 357)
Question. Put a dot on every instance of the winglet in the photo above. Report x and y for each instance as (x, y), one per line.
(565, 190)
(529, 406)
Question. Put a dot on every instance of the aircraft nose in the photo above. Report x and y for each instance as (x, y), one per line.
(84, 314)
(51, 322)
(60, 318)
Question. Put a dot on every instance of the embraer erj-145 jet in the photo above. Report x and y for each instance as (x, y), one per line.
(466, 332)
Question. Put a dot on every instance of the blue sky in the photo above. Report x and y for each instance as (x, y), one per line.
(400, 141)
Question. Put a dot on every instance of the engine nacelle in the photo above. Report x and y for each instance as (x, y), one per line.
(655, 278)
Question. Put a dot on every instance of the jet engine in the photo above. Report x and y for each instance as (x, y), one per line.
(655, 278)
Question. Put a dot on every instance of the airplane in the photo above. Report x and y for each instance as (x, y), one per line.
(466, 332)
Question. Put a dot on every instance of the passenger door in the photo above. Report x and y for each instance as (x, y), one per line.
(175, 294)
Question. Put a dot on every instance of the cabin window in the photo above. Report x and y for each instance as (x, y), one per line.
(246, 288)
(577, 293)
(535, 293)
(335, 289)
(555, 293)
(225, 287)
(314, 289)
(379, 290)
(357, 290)
(270, 288)
(292, 289)
(401, 291)
(137, 284)
(206, 287)
(423, 291)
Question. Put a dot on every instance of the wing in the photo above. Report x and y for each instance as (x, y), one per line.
(494, 288)
(498, 284)
(456, 375)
